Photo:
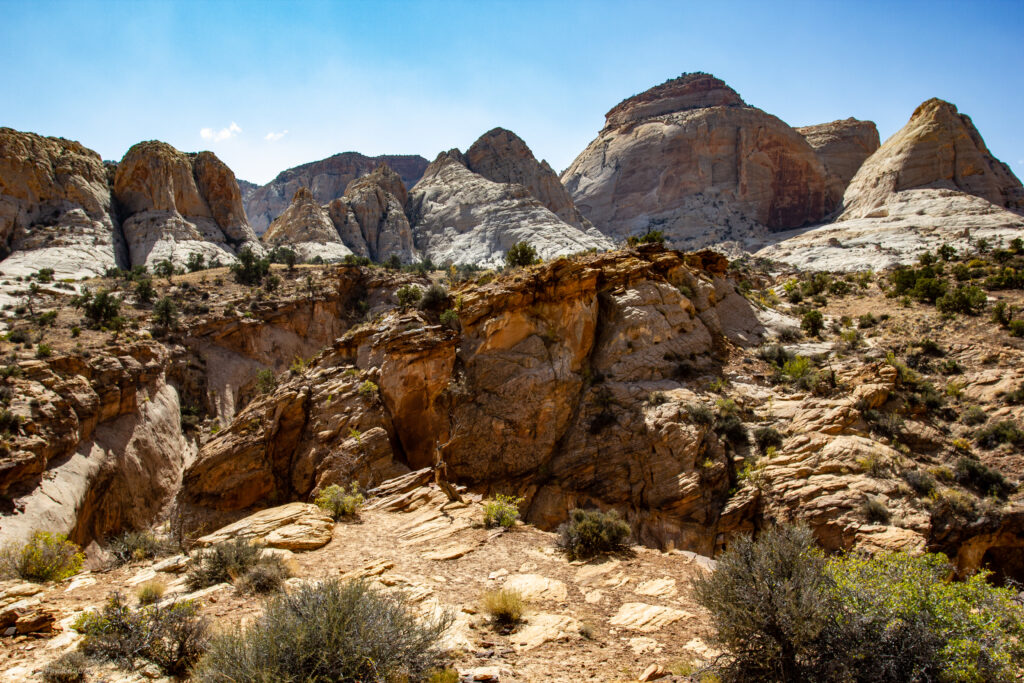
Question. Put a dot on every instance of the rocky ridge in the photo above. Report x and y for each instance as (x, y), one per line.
(842, 147)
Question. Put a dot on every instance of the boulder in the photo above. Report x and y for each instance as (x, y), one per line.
(689, 158)
(295, 526)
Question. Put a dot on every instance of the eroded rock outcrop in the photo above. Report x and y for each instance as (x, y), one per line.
(842, 147)
(460, 216)
(175, 204)
(689, 158)
(306, 228)
(938, 148)
(371, 219)
(327, 179)
(55, 208)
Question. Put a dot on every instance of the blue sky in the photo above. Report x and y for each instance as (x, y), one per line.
(268, 85)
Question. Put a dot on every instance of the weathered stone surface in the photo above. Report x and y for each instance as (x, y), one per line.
(175, 204)
(460, 216)
(545, 628)
(55, 208)
(536, 587)
(327, 179)
(647, 618)
(691, 159)
(938, 148)
(306, 228)
(295, 526)
(842, 147)
(371, 218)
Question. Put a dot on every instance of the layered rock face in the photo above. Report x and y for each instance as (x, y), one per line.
(501, 155)
(327, 179)
(842, 147)
(55, 208)
(938, 148)
(306, 228)
(461, 216)
(371, 219)
(691, 159)
(174, 204)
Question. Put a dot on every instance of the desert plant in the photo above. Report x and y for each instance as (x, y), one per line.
(974, 416)
(920, 481)
(967, 299)
(172, 636)
(144, 291)
(70, 667)
(502, 510)
(767, 437)
(266, 382)
(165, 313)
(222, 563)
(450, 318)
(520, 255)
(434, 298)
(1004, 431)
(812, 323)
(44, 557)
(43, 350)
(369, 390)
(164, 269)
(408, 295)
(698, 413)
(589, 533)
(250, 269)
(150, 592)
(100, 308)
(266, 576)
(340, 503)
(505, 607)
(443, 676)
(982, 478)
(137, 545)
(328, 631)
(195, 262)
(875, 511)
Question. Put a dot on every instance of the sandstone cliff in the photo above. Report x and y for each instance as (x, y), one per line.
(842, 147)
(459, 216)
(174, 204)
(55, 208)
(327, 179)
(371, 219)
(306, 228)
(938, 148)
(691, 159)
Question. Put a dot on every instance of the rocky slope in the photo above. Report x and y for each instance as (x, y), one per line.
(690, 158)
(327, 179)
(306, 228)
(934, 182)
(842, 147)
(370, 216)
(55, 208)
(460, 216)
(175, 204)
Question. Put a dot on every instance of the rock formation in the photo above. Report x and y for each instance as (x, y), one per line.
(938, 148)
(174, 204)
(55, 208)
(460, 216)
(501, 155)
(842, 147)
(689, 158)
(327, 179)
(306, 228)
(371, 219)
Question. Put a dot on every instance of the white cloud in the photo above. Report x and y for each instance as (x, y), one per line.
(222, 134)
(274, 137)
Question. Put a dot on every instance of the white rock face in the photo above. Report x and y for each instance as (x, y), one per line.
(461, 217)
(306, 228)
(911, 222)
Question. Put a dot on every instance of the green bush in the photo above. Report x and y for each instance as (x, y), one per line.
(589, 533)
(266, 382)
(812, 323)
(70, 667)
(974, 416)
(783, 612)
(266, 576)
(150, 592)
(250, 269)
(165, 313)
(520, 255)
(195, 262)
(450, 318)
(45, 557)
(408, 295)
(173, 636)
(222, 563)
(144, 291)
(340, 503)
(434, 298)
(43, 350)
(982, 478)
(922, 482)
(369, 390)
(649, 237)
(964, 299)
(502, 510)
(330, 631)
(700, 414)
(100, 308)
(1001, 432)
(132, 546)
(767, 437)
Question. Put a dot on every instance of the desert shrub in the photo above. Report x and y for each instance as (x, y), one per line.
(974, 416)
(137, 545)
(505, 607)
(982, 478)
(887, 424)
(222, 562)
(1005, 431)
(43, 350)
(450, 318)
(589, 533)
(767, 437)
(649, 237)
(521, 254)
(165, 313)
(812, 323)
(271, 283)
(99, 308)
(867, 320)
(10, 423)
(928, 289)
(964, 299)
(800, 371)
(70, 667)
(266, 382)
(920, 481)
(434, 298)
(1002, 313)
(195, 262)
(144, 291)
(502, 510)
(250, 269)
(330, 631)
(340, 503)
(150, 592)
(173, 636)
(369, 390)
(443, 676)
(784, 613)
(730, 427)
(776, 354)
(1016, 328)
(266, 576)
(408, 295)
(1014, 397)
(875, 511)
(45, 557)
(700, 414)
(164, 268)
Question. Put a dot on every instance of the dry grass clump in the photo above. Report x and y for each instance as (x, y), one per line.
(505, 607)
